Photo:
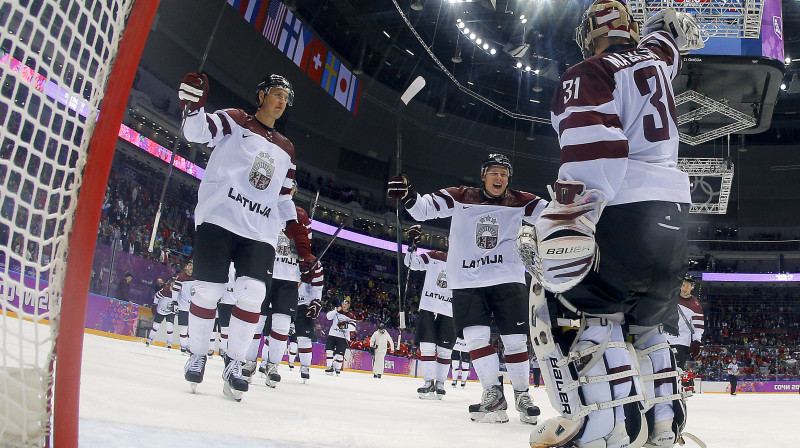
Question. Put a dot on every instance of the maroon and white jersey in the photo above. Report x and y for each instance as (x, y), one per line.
(182, 290)
(343, 324)
(691, 323)
(435, 296)
(163, 300)
(615, 117)
(286, 266)
(247, 184)
(483, 233)
(307, 292)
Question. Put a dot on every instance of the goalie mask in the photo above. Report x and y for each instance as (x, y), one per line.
(277, 81)
(605, 18)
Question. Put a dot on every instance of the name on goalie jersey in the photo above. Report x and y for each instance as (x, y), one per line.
(248, 204)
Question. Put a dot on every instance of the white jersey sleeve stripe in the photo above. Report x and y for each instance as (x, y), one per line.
(591, 134)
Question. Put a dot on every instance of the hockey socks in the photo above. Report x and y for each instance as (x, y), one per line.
(442, 364)
(202, 312)
(515, 355)
(278, 337)
(484, 358)
(428, 360)
(304, 350)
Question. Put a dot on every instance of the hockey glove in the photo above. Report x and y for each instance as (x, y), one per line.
(694, 349)
(680, 25)
(559, 249)
(414, 235)
(400, 189)
(308, 277)
(193, 91)
(314, 309)
(299, 235)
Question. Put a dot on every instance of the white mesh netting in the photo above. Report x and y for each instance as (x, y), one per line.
(55, 59)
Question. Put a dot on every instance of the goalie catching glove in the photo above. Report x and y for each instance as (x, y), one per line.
(680, 25)
(560, 249)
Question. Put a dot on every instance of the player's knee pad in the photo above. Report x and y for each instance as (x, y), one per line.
(281, 323)
(587, 366)
(249, 293)
(303, 342)
(206, 294)
(427, 349)
(514, 343)
(664, 406)
(443, 353)
(477, 336)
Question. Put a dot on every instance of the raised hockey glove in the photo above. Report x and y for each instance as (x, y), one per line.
(193, 91)
(314, 309)
(400, 189)
(299, 235)
(560, 249)
(308, 277)
(414, 235)
(694, 349)
(680, 25)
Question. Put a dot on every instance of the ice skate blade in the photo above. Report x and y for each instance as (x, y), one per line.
(427, 396)
(230, 393)
(531, 420)
(490, 417)
(193, 386)
(439, 396)
(271, 384)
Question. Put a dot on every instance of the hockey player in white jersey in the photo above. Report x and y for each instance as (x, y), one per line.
(309, 305)
(691, 325)
(612, 242)
(243, 201)
(343, 325)
(182, 293)
(460, 363)
(436, 333)
(379, 342)
(282, 297)
(486, 276)
(165, 307)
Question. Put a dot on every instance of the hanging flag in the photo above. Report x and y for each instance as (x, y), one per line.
(261, 14)
(342, 90)
(289, 35)
(304, 46)
(316, 60)
(330, 74)
(354, 97)
(272, 26)
(251, 12)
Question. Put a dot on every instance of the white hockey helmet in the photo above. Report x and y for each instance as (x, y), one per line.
(606, 18)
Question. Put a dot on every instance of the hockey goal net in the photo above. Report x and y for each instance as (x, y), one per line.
(57, 63)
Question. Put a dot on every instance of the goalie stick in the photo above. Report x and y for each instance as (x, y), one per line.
(413, 89)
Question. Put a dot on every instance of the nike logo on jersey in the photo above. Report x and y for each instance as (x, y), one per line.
(467, 206)
(520, 323)
(269, 272)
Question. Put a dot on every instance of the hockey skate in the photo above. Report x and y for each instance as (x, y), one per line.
(304, 373)
(338, 372)
(147, 342)
(169, 346)
(463, 384)
(329, 371)
(194, 370)
(185, 351)
(427, 391)
(492, 408)
(248, 369)
(273, 377)
(235, 385)
(262, 368)
(210, 353)
(528, 412)
(221, 353)
(440, 392)
(455, 383)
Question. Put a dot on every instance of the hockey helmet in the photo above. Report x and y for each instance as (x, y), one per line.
(276, 81)
(496, 160)
(608, 18)
(689, 279)
(381, 326)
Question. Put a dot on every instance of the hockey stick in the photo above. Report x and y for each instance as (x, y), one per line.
(416, 85)
(314, 206)
(319, 257)
(180, 134)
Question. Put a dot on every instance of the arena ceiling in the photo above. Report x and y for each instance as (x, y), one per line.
(374, 36)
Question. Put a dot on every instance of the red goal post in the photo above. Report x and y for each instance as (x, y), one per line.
(55, 69)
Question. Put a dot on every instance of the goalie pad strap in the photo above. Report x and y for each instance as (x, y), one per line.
(664, 399)
(646, 351)
(588, 409)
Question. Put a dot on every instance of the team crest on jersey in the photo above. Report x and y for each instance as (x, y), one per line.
(441, 280)
(284, 247)
(486, 233)
(262, 170)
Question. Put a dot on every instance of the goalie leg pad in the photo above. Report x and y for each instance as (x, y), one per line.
(665, 404)
(591, 376)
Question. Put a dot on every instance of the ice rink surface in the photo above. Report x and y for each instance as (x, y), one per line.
(133, 396)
